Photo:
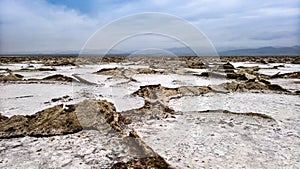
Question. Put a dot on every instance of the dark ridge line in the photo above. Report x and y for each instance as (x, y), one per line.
(250, 114)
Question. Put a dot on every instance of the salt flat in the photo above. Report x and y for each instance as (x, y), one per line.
(232, 113)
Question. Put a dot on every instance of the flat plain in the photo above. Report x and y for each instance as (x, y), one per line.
(149, 112)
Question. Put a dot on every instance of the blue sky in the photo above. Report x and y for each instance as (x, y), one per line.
(66, 25)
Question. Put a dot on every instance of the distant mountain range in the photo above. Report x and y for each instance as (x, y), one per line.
(184, 51)
(181, 51)
(264, 51)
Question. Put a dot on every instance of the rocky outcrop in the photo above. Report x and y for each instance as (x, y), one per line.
(2, 118)
(60, 120)
(295, 75)
(196, 65)
(58, 77)
(158, 91)
(16, 77)
(10, 77)
(100, 115)
(155, 92)
(244, 73)
(247, 114)
(125, 72)
(53, 121)
(36, 69)
(228, 66)
(153, 109)
(62, 63)
(212, 75)
(246, 86)
(138, 146)
(147, 158)
(143, 163)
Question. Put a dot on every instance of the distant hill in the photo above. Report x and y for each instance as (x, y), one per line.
(178, 51)
(264, 51)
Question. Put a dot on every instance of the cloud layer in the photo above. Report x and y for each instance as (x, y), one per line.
(49, 26)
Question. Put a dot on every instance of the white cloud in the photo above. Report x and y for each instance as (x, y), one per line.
(40, 26)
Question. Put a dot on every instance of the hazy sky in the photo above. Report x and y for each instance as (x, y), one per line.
(62, 25)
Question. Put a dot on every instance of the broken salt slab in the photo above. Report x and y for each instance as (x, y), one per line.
(279, 106)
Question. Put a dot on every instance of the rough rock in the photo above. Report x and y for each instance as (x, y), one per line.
(2, 118)
(226, 66)
(235, 86)
(58, 77)
(59, 120)
(250, 70)
(249, 76)
(10, 77)
(196, 65)
(138, 146)
(152, 93)
(52, 121)
(29, 69)
(162, 93)
(100, 115)
(277, 87)
(249, 73)
(62, 63)
(153, 109)
(295, 75)
(143, 163)
(155, 91)
(248, 114)
(125, 72)
(218, 88)
(263, 61)
(253, 85)
(107, 71)
(211, 74)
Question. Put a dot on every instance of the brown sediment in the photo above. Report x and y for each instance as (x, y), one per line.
(211, 74)
(196, 64)
(59, 77)
(143, 163)
(2, 118)
(60, 120)
(146, 156)
(251, 114)
(100, 115)
(163, 93)
(159, 92)
(61, 63)
(138, 146)
(16, 77)
(10, 77)
(35, 70)
(107, 71)
(129, 71)
(67, 59)
(295, 75)
(52, 121)
(155, 91)
(227, 66)
(248, 114)
(153, 109)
